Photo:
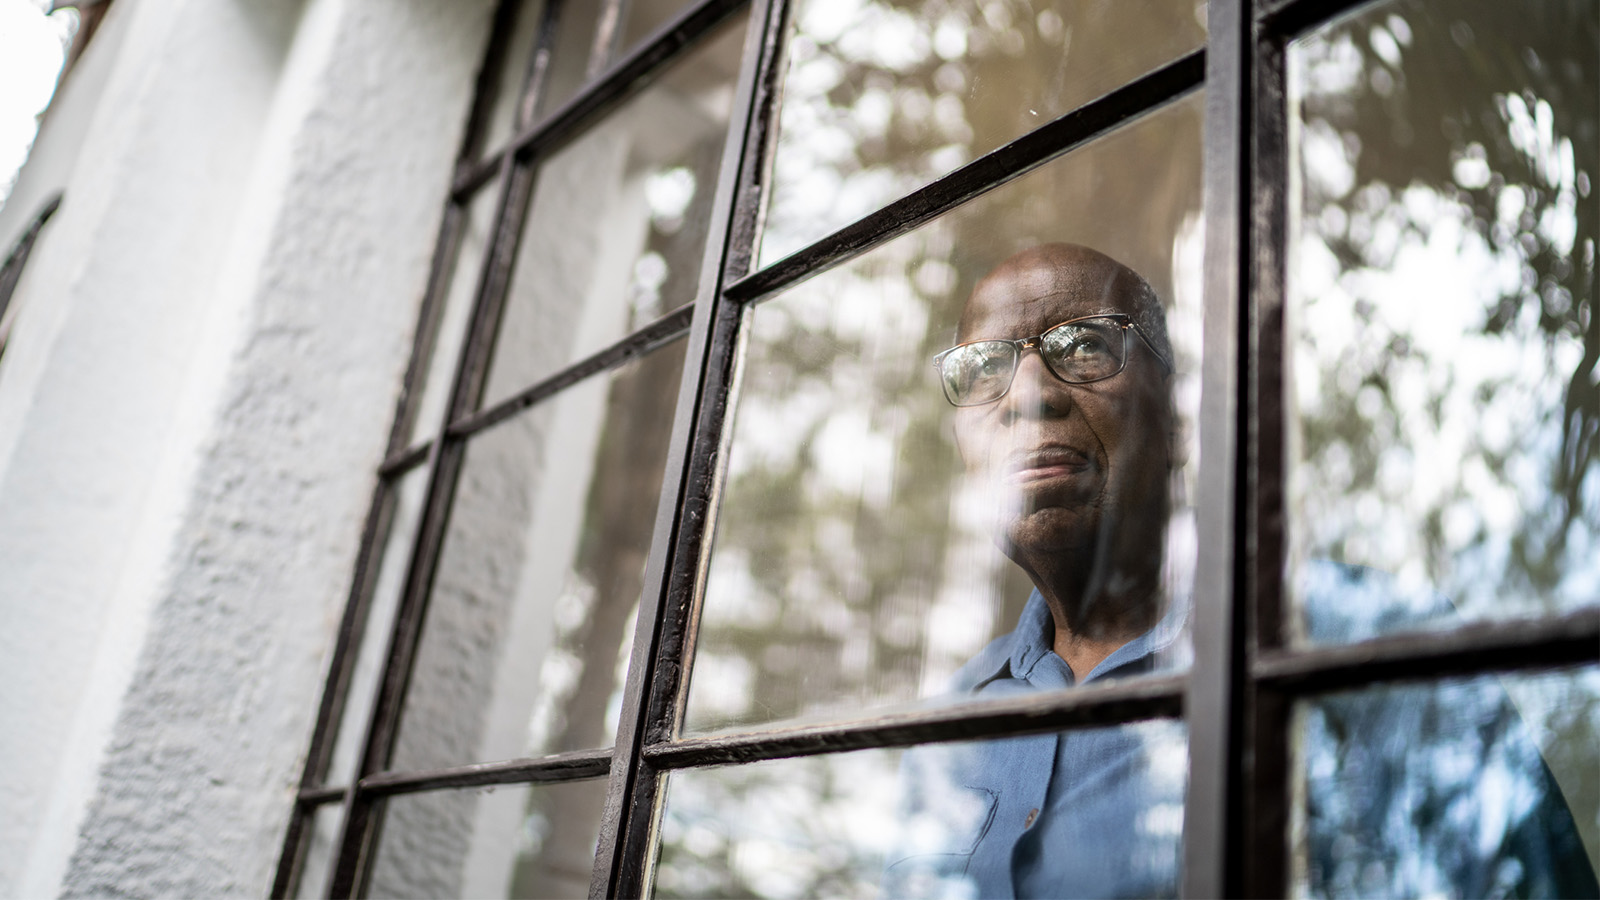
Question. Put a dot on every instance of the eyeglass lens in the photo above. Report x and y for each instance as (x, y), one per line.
(1077, 352)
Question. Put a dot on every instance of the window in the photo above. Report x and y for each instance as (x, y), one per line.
(674, 550)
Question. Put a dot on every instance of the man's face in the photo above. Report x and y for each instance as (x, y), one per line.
(1070, 465)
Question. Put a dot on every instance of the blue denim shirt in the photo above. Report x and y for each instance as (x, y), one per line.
(1098, 812)
(1087, 813)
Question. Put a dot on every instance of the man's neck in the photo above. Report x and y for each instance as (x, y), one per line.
(1082, 654)
(1091, 622)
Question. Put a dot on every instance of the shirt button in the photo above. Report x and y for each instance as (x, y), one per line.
(1032, 815)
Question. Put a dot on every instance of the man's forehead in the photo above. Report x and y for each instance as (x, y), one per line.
(1044, 280)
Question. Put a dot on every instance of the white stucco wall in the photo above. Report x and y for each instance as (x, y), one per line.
(197, 390)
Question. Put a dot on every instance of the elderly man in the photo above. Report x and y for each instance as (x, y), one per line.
(1061, 386)
(1061, 382)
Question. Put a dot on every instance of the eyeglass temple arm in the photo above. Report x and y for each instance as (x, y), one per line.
(1153, 351)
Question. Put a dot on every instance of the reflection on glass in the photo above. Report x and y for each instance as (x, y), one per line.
(1442, 323)
(325, 824)
(854, 564)
(643, 17)
(533, 841)
(408, 498)
(507, 115)
(617, 228)
(572, 55)
(883, 96)
(1487, 787)
(1096, 813)
(529, 625)
(439, 369)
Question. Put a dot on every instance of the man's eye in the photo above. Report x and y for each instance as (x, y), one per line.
(1090, 344)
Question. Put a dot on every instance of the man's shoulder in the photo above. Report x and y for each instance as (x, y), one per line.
(991, 662)
(1344, 602)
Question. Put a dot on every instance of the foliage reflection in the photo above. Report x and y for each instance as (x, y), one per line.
(883, 96)
(1442, 322)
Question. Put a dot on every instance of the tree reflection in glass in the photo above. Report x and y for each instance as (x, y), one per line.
(882, 96)
(854, 564)
(1442, 326)
(1483, 787)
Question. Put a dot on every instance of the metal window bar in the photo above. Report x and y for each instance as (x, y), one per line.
(656, 674)
(1212, 703)
(1259, 812)
(363, 811)
(652, 336)
(360, 831)
(1243, 680)
(1284, 20)
(989, 171)
(380, 510)
(1487, 647)
(318, 796)
(352, 628)
(357, 837)
(1262, 810)
(624, 78)
(682, 512)
(379, 519)
(1113, 704)
(406, 460)
(543, 770)
(664, 330)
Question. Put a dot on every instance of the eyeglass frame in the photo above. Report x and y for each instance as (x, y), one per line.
(1123, 320)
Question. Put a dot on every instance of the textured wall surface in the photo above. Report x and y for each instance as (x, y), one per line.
(195, 396)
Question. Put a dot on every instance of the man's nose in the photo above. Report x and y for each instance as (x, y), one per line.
(1036, 393)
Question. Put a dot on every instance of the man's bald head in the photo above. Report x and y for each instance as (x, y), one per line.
(1073, 268)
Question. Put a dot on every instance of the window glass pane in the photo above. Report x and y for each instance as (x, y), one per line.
(507, 114)
(855, 561)
(643, 17)
(433, 394)
(409, 494)
(618, 224)
(1441, 326)
(571, 55)
(533, 841)
(1095, 813)
(883, 96)
(325, 823)
(529, 626)
(1487, 787)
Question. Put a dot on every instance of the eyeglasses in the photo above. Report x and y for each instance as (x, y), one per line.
(1078, 351)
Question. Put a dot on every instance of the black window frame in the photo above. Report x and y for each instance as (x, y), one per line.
(1237, 697)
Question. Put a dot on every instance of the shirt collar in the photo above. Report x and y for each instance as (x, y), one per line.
(1033, 658)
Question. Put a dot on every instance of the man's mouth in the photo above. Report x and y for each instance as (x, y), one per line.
(1046, 462)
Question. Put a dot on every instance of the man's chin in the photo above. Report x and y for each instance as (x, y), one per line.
(1050, 530)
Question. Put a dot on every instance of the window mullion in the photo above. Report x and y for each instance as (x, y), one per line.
(1264, 790)
(374, 535)
(652, 694)
(380, 511)
(1212, 827)
(358, 838)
